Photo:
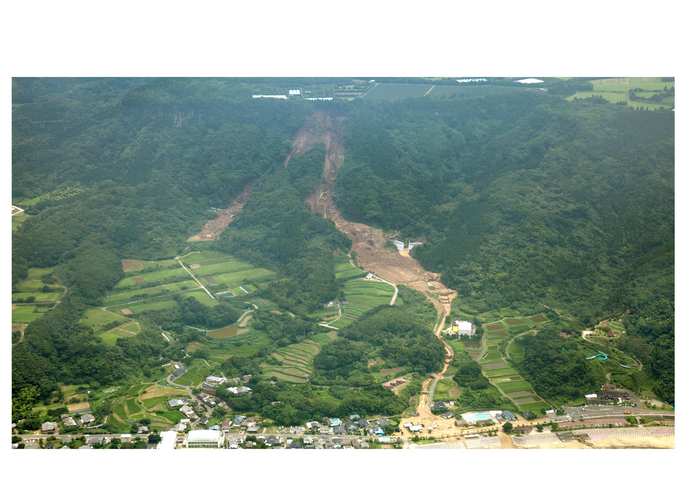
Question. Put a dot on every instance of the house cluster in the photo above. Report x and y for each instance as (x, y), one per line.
(69, 421)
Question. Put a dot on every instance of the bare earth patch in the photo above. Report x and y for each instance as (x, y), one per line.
(214, 227)
(132, 266)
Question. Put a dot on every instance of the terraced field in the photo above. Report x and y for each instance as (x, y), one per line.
(33, 296)
(144, 401)
(496, 367)
(361, 296)
(294, 363)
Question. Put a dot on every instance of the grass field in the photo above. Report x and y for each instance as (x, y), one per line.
(617, 90)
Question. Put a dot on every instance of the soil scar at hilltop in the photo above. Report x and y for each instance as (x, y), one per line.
(369, 243)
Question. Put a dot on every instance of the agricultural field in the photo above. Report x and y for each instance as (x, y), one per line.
(35, 295)
(499, 345)
(294, 363)
(649, 93)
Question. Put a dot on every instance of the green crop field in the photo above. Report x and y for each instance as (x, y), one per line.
(196, 372)
(163, 276)
(119, 296)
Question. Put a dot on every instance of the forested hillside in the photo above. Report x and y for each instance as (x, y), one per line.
(525, 200)
(143, 161)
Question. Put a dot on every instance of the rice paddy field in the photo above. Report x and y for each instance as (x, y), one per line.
(33, 296)
(294, 363)
(498, 344)
(650, 92)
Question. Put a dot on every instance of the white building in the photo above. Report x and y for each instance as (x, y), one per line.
(294, 92)
(465, 327)
(399, 245)
(529, 80)
(204, 439)
(591, 396)
(239, 390)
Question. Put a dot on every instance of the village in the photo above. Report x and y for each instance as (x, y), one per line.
(609, 410)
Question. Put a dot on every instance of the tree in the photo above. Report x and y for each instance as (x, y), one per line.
(507, 427)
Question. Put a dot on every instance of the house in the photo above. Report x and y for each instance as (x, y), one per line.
(204, 439)
(294, 92)
(334, 422)
(226, 425)
(176, 403)
(69, 422)
(142, 430)
(49, 427)
(399, 245)
(591, 396)
(238, 420)
(214, 381)
(87, 419)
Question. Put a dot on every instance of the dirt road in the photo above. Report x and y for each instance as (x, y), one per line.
(369, 243)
